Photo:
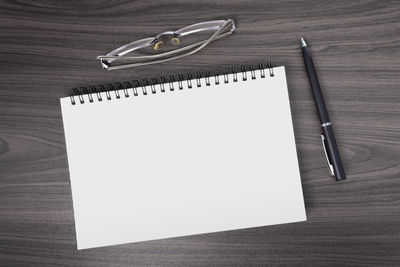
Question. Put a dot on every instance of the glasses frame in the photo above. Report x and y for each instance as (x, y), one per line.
(221, 29)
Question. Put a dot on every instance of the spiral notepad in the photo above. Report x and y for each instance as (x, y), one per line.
(181, 155)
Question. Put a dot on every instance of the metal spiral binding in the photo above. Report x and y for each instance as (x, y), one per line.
(148, 86)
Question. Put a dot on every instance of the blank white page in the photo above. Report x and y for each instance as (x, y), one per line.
(182, 162)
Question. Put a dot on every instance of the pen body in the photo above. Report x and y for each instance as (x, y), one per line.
(329, 140)
(312, 75)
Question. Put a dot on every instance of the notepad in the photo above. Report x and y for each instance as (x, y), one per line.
(182, 157)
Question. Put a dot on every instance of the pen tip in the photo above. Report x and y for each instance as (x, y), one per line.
(303, 43)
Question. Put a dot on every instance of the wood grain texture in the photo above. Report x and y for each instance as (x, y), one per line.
(47, 47)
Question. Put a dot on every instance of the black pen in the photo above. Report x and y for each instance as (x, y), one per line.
(327, 136)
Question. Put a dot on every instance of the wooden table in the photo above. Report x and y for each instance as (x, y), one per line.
(48, 47)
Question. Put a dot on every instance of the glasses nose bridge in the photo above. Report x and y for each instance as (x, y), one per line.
(160, 35)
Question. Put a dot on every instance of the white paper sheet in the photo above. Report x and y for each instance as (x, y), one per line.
(190, 161)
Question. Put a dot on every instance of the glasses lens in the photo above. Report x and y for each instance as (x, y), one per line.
(202, 31)
(186, 36)
(200, 27)
(137, 45)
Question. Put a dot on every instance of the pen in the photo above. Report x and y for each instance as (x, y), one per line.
(327, 137)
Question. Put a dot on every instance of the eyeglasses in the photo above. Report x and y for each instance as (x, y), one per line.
(167, 46)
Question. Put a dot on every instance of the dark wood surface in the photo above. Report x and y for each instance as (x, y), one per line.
(47, 47)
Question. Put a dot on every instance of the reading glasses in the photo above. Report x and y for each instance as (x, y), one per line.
(167, 46)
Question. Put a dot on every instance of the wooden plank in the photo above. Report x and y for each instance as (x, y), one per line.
(48, 47)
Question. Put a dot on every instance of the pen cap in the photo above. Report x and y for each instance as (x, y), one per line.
(333, 153)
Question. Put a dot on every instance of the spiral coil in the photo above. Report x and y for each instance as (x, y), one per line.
(148, 86)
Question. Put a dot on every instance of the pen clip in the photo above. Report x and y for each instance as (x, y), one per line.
(326, 155)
